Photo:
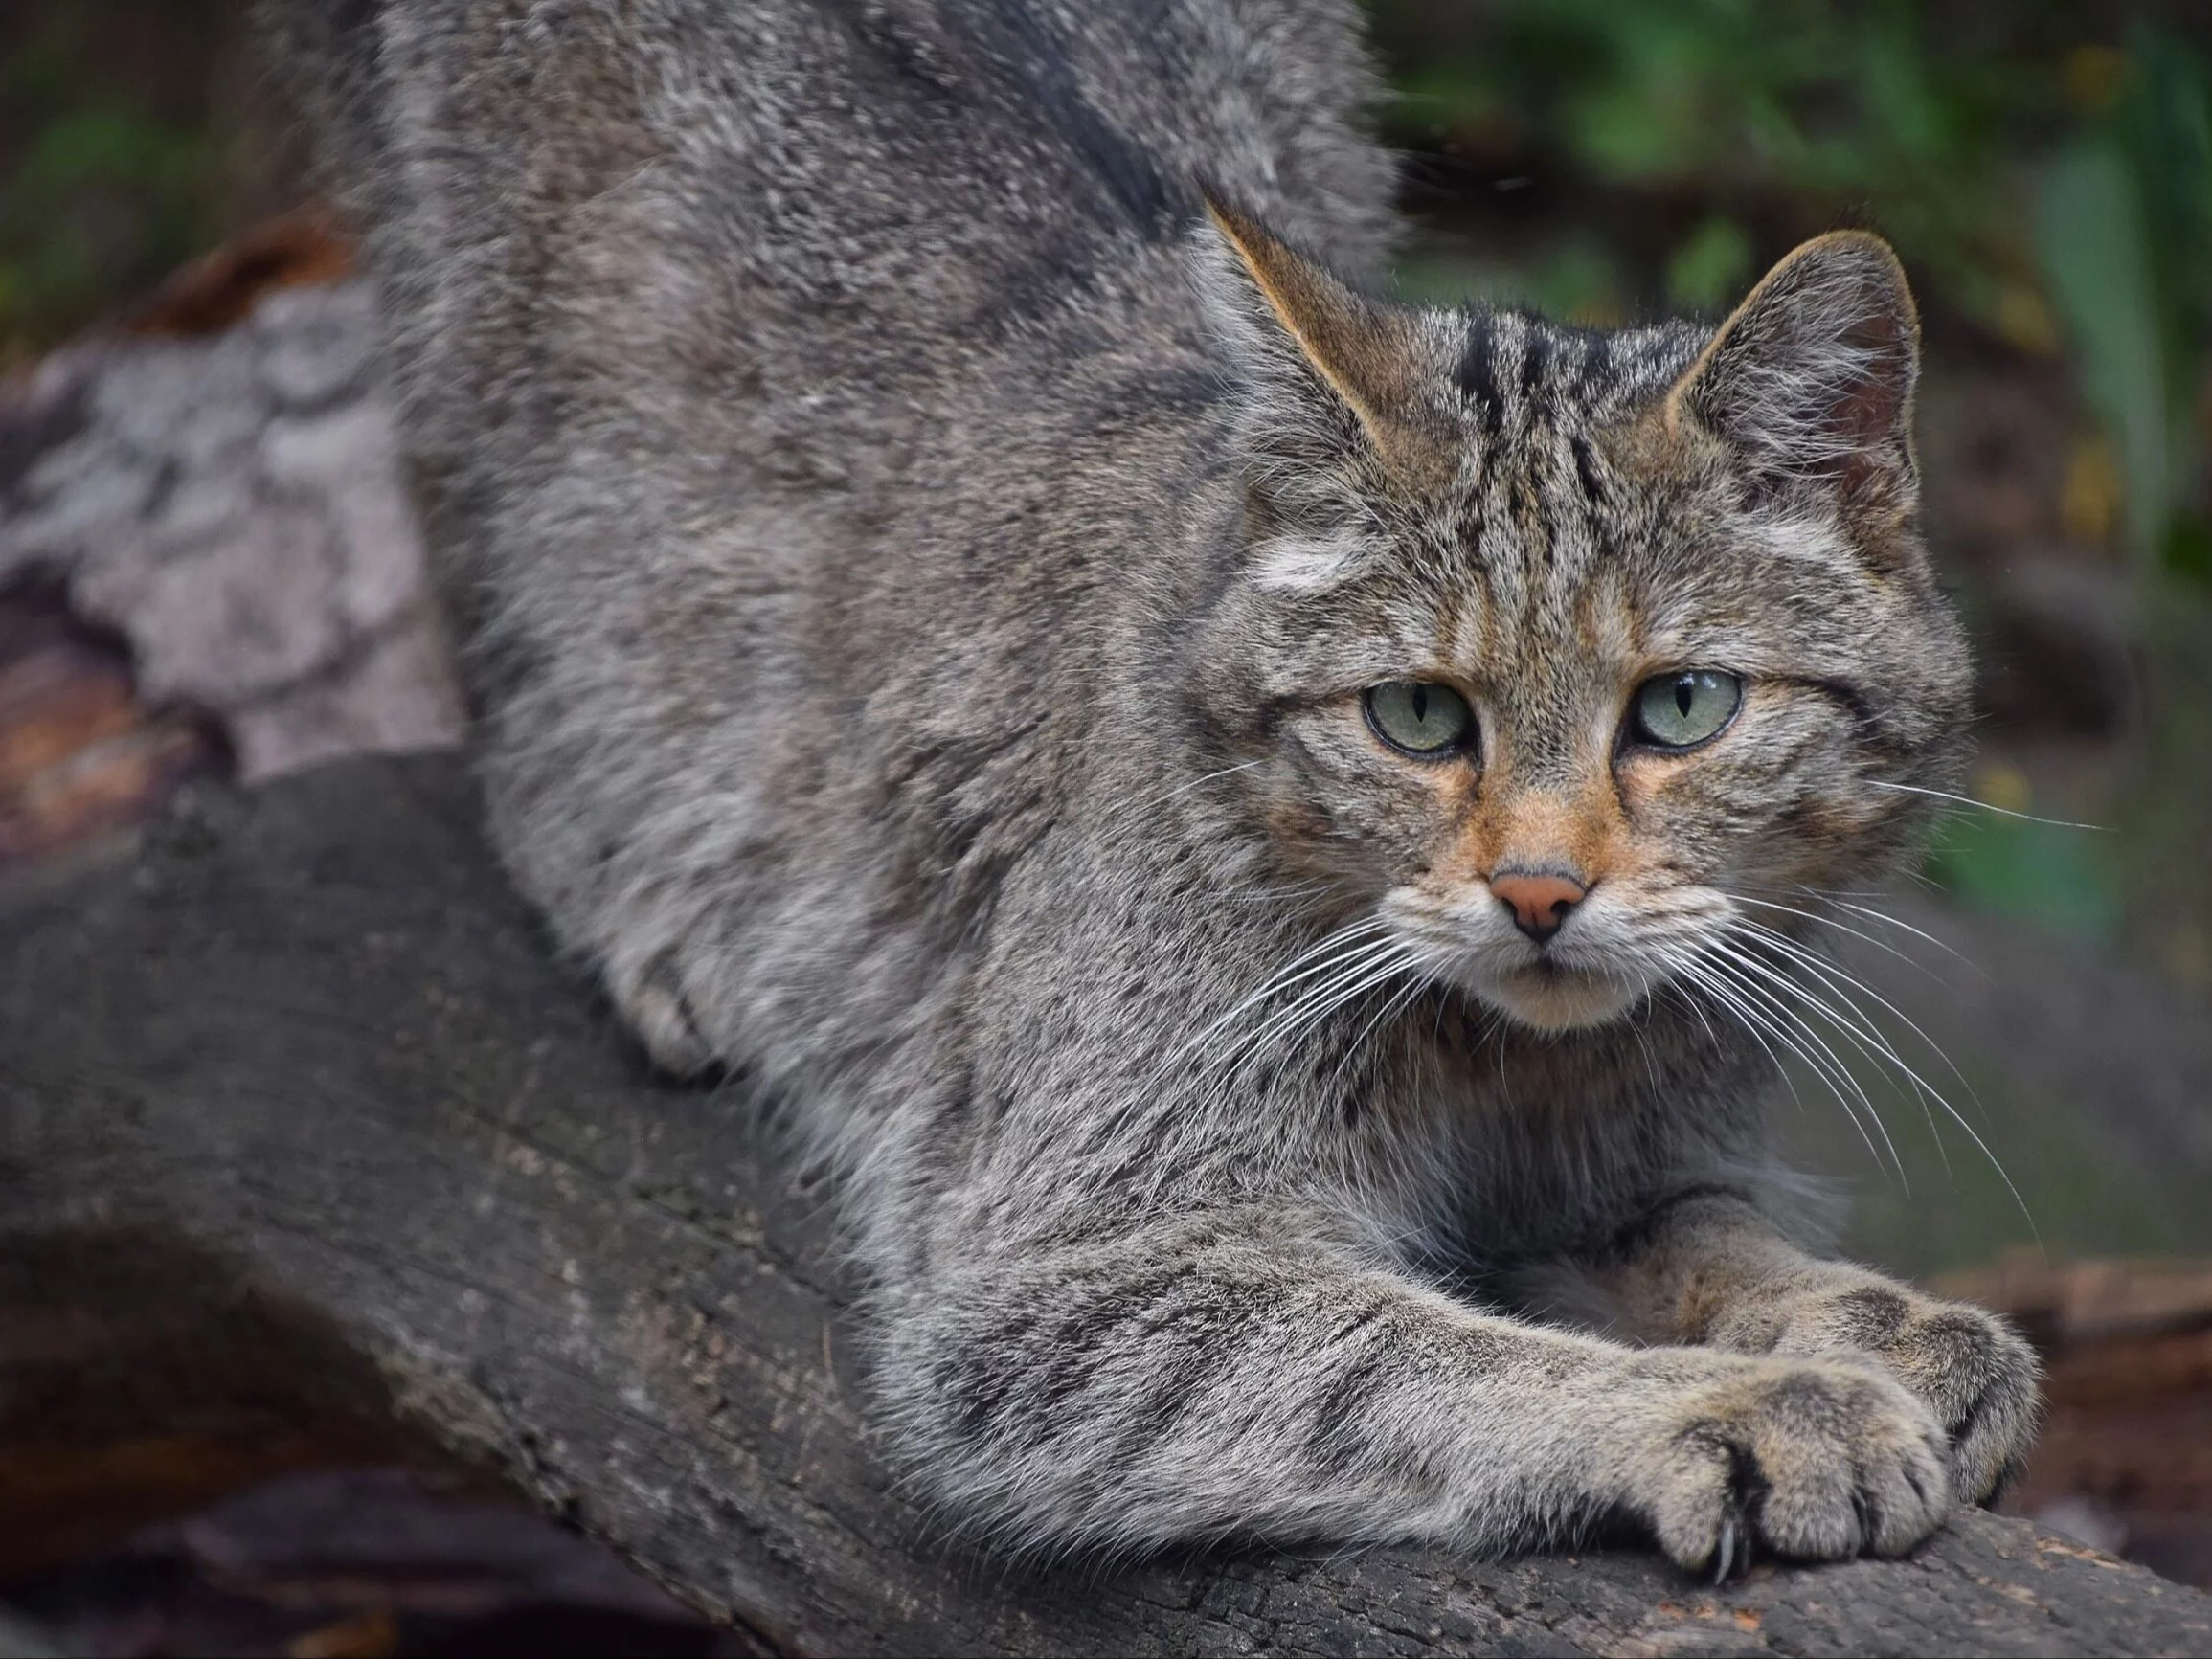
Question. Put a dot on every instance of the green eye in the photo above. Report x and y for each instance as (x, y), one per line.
(1677, 710)
(1419, 716)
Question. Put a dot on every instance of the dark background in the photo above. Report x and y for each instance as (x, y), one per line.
(2045, 171)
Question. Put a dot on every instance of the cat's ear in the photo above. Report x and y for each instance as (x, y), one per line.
(1812, 378)
(1308, 337)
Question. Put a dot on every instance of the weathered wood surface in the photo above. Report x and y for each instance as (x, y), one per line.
(295, 1105)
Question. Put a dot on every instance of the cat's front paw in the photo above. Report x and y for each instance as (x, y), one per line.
(1972, 1369)
(1814, 1460)
(653, 1003)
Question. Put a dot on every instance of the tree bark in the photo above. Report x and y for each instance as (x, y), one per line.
(298, 1108)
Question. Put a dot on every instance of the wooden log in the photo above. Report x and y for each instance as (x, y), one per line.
(297, 1108)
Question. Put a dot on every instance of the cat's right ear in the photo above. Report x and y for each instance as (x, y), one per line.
(1811, 380)
(1335, 367)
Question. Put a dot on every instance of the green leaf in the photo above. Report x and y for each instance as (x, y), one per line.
(2094, 247)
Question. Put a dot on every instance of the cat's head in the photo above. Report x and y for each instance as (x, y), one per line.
(1578, 655)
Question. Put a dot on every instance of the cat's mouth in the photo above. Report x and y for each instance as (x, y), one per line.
(1599, 967)
(1546, 995)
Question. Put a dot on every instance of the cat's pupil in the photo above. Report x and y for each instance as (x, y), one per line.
(1421, 703)
(1685, 693)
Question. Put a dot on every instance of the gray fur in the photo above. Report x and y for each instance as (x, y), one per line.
(921, 574)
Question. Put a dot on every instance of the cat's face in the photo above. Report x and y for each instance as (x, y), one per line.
(1578, 658)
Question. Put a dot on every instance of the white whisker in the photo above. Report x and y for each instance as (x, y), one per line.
(1864, 1032)
(1396, 1000)
(1380, 972)
(1370, 965)
(1207, 778)
(1873, 915)
(1345, 970)
(1792, 1030)
(1985, 806)
(1773, 981)
(1302, 967)
(1843, 983)
(1839, 927)
(1700, 968)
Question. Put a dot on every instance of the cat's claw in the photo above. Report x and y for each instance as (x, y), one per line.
(1804, 1459)
(1724, 1558)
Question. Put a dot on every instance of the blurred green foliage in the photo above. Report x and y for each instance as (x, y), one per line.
(109, 176)
(2125, 234)
(1756, 111)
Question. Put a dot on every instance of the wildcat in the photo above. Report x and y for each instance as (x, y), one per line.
(1274, 836)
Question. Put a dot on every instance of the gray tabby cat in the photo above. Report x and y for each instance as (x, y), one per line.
(1271, 834)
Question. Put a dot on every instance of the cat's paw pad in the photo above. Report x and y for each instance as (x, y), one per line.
(1810, 1460)
(1972, 1369)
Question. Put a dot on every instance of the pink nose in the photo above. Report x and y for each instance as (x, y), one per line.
(1539, 903)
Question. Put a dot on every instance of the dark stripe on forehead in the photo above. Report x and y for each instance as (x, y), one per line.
(1535, 354)
(1477, 373)
(1597, 369)
(1586, 469)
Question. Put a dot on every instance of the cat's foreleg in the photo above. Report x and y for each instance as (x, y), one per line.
(1246, 1375)
(1707, 1266)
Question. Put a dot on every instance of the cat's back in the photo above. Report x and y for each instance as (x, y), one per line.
(781, 200)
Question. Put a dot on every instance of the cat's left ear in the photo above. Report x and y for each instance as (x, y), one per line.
(1323, 356)
(1811, 379)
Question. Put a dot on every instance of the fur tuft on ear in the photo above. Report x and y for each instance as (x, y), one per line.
(1812, 378)
(1317, 348)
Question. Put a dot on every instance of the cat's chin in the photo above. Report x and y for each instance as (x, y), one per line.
(1559, 999)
